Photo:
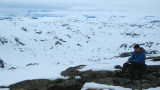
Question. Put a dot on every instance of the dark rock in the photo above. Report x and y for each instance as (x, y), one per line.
(155, 21)
(123, 45)
(5, 18)
(17, 40)
(34, 18)
(1, 63)
(68, 85)
(72, 71)
(32, 64)
(126, 54)
(117, 67)
(3, 40)
(79, 45)
(146, 44)
(152, 52)
(133, 25)
(57, 42)
(12, 68)
(39, 32)
(154, 58)
(38, 84)
(24, 28)
(69, 36)
(132, 34)
(62, 40)
(65, 25)
(89, 16)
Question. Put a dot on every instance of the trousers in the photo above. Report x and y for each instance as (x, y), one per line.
(136, 70)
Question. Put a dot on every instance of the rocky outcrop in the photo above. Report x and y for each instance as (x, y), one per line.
(154, 58)
(18, 42)
(150, 79)
(1, 63)
(71, 84)
(39, 84)
(44, 84)
(3, 41)
(126, 54)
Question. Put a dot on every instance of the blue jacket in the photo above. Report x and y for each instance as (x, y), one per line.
(138, 57)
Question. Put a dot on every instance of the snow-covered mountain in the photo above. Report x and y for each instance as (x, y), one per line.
(40, 43)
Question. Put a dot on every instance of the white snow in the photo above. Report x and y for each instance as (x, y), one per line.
(42, 71)
(95, 86)
(90, 33)
(5, 89)
(154, 88)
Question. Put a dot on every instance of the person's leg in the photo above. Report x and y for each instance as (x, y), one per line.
(131, 70)
(142, 70)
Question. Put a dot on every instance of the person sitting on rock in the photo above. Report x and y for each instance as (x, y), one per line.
(137, 63)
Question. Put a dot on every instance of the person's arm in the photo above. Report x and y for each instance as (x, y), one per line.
(131, 58)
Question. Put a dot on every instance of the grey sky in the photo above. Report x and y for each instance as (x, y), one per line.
(18, 5)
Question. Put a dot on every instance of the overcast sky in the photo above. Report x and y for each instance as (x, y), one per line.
(80, 4)
(46, 3)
